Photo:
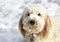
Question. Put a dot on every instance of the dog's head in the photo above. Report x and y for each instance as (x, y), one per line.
(34, 19)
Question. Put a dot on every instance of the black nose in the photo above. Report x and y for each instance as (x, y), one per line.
(32, 22)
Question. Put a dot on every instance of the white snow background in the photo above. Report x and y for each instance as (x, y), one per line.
(10, 12)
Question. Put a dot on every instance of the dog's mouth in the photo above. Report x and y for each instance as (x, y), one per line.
(32, 26)
(34, 30)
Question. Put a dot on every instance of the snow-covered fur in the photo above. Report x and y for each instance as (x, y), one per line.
(37, 26)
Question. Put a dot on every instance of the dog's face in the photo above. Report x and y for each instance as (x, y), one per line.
(34, 19)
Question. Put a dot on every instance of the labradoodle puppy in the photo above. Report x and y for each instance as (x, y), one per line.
(36, 26)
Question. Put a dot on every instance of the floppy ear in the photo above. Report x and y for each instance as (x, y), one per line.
(47, 26)
(47, 22)
(21, 27)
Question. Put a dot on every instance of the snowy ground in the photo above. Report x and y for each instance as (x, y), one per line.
(10, 12)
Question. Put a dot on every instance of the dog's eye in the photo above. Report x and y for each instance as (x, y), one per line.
(39, 14)
(28, 14)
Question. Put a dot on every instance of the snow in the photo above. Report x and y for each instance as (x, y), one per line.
(10, 13)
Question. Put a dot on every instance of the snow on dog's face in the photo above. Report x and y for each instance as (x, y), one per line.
(34, 18)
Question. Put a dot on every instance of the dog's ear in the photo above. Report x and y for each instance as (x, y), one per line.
(21, 26)
(47, 22)
(47, 26)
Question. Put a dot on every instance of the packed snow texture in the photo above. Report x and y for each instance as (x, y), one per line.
(10, 13)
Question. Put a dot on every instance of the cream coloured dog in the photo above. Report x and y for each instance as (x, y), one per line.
(36, 26)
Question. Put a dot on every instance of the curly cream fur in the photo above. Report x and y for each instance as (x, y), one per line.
(46, 29)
